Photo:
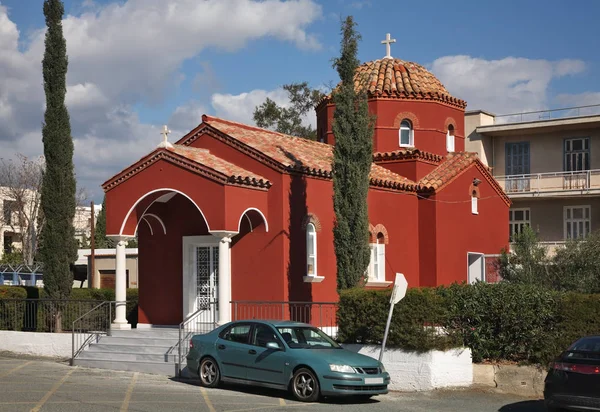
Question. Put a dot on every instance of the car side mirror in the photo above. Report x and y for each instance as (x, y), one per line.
(273, 345)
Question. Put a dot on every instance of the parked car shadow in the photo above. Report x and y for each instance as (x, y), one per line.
(525, 406)
(276, 393)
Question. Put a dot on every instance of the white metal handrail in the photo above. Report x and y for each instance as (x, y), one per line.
(550, 181)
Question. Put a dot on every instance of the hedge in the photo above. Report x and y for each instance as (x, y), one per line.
(497, 322)
(33, 314)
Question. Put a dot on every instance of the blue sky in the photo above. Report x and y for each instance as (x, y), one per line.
(138, 64)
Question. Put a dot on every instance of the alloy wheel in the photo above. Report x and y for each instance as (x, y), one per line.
(305, 386)
(209, 373)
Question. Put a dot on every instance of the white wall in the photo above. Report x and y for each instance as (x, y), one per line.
(411, 371)
(56, 345)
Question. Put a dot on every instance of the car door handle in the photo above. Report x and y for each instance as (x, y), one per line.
(221, 347)
(252, 352)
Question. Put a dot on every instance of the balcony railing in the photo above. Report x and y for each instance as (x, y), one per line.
(556, 182)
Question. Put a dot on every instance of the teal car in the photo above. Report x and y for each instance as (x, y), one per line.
(284, 355)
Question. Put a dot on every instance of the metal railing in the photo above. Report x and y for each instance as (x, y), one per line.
(41, 315)
(323, 315)
(21, 274)
(576, 111)
(90, 326)
(202, 320)
(550, 182)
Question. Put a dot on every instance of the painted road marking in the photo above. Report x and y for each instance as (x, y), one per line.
(282, 402)
(125, 404)
(5, 374)
(52, 391)
(211, 408)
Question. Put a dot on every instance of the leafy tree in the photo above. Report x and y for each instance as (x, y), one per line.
(576, 266)
(58, 194)
(352, 158)
(102, 242)
(288, 120)
(527, 262)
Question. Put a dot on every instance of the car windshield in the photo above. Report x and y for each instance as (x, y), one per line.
(585, 348)
(306, 337)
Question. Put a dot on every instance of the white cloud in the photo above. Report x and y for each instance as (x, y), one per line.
(240, 107)
(502, 86)
(576, 100)
(123, 54)
(186, 117)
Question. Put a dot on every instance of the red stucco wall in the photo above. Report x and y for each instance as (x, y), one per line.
(459, 231)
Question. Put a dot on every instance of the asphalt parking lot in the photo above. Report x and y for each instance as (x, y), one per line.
(45, 385)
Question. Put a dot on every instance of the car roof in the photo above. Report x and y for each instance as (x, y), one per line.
(272, 322)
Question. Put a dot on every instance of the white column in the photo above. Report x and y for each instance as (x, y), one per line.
(120, 321)
(224, 281)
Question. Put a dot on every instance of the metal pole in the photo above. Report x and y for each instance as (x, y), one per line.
(93, 249)
(387, 329)
(179, 352)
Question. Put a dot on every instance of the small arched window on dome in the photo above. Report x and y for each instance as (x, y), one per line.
(311, 250)
(450, 138)
(407, 137)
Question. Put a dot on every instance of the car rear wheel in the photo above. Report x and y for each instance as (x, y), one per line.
(209, 373)
(305, 386)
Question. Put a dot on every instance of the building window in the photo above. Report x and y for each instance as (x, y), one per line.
(377, 263)
(577, 154)
(577, 221)
(450, 139)
(9, 207)
(474, 204)
(518, 220)
(311, 250)
(517, 167)
(407, 138)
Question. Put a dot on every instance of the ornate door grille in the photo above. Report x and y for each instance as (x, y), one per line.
(207, 276)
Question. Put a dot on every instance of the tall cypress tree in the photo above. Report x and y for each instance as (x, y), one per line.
(59, 248)
(352, 158)
(101, 241)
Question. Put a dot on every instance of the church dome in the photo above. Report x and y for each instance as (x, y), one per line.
(395, 78)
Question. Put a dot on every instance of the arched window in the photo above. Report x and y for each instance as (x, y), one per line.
(311, 250)
(407, 137)
(450, 138)
(474, 202)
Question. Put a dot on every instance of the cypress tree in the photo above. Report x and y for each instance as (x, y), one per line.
(59, 246)
(101, 241)
(352, 158)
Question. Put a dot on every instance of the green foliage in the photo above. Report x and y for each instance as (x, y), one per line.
(14, 257)
(101, 241)
(59, 248)
(574, 267)
(288, 120)
(11, 315)
(498, 322)
(362, 315)
(352, 159)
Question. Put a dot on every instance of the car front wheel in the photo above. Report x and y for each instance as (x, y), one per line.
(305, 385)
(209, 372)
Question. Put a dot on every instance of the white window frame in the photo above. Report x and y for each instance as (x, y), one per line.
(512, 223)
(474, 205)
(311, 232)
(377, 262)
(586, 208)
(450, 147)
(411, 133)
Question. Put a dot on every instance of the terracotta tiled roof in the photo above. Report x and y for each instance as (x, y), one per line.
(450, 168)
(297, 154)
(234, 173)
(404, 154)
(395, 78)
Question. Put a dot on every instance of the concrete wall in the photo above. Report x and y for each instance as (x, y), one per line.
(110, 263)
(56, 345)
(547, 215)
(546, 150)
(510, 379)
(410, 371)
(474, 142)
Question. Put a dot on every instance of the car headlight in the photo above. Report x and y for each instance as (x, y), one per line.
(342, 368)
(382, 368)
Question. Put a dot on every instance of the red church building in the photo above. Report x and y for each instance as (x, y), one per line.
(232, 212)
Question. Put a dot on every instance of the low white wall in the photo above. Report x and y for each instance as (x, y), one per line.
(56, 345)
(411, 371)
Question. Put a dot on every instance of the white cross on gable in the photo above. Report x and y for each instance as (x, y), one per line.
(388, 40)
(165, 132)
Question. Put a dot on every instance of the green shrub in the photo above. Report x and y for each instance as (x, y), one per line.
(362, 315)
(11, 311)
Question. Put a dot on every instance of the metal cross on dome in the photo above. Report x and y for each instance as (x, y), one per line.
(388, 40)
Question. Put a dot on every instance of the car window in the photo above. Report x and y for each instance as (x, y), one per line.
(306, 337)
(236, 333)
(585, 348)
(262, 335)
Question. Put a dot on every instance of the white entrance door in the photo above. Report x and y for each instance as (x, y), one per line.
(476, 262)
(201, 277)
